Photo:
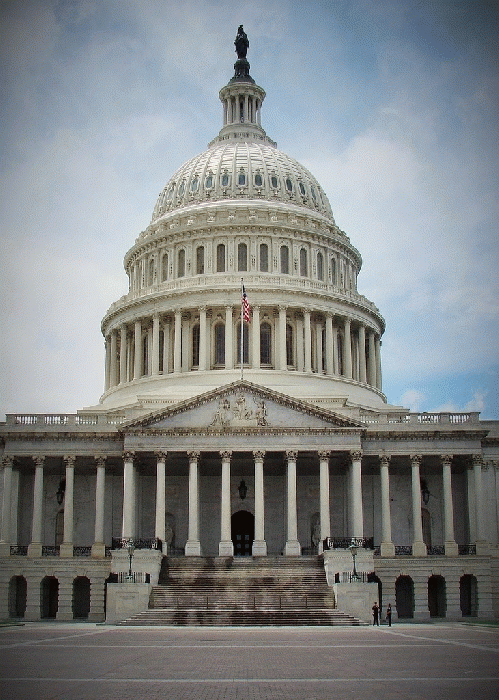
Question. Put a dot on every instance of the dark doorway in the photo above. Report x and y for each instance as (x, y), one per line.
(469, 596)
(81, 598)
(404, 596)
(243, 533)
(49, 597)
(437, 602)
(17, 596)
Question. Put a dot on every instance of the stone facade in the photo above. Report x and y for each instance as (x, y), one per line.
(275, 440)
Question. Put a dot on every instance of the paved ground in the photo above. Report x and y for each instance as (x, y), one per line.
(57, 661)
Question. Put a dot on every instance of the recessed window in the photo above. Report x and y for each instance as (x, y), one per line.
(209, 182)
(284, 260)
(303, 262)
(220, 344)
(224, 180)
(220, 257)
(320, 267)
(264, 257)
(164, 267)
(274, 182)
(265, 344)
(241, 179)
(195, 185)
(312, 189)
(302, 188)
(181, 189)
(181, 263)
(195, 345)
(242, 257)
(258, 180)
(200, 260)
(289, 185)
(289, 345)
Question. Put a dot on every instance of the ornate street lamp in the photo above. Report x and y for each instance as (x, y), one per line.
(243, 490)
(130, 547)
(353, 552)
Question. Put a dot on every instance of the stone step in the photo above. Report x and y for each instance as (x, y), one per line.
(223, 618)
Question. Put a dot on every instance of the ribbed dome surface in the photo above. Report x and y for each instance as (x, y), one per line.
(242, 170)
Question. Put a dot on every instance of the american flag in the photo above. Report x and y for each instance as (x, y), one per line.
(246, 306)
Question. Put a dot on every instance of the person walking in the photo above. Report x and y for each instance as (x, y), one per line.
(389, 614)
(376, 614)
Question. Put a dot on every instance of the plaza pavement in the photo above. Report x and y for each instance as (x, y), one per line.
(62, 661)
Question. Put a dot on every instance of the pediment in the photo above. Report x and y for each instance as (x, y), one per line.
(236, 406)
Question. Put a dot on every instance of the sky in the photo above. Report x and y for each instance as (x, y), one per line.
(392, 105)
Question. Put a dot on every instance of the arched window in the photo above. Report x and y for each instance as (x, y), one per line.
(264, 257)
(220, 257)
(242, 257)
(181, 263)
(284, 260)
(151, 272)
(289, 345)
(164, 267)
(220, 344)
(265, 344)
(320, 267)
(200, 260)
(303, 262)
(245, 344)
(195, 345)
(333, 271)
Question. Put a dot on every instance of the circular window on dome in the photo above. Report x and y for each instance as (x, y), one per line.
(258, 180)
(208, 183)
(302, 188)
(195, 185)
(181, 189)
(289, 185)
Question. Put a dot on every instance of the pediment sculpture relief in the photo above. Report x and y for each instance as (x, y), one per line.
(237, 413)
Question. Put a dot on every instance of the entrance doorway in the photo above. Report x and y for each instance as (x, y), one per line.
(242, 532)
(49, 589)
(436, 596)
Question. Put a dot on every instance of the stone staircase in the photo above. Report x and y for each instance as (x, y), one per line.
(242, 591)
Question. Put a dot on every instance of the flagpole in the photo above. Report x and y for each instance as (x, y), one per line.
(242, 322)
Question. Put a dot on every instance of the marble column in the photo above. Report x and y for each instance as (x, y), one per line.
(155, 345)
(66, 548)
(123, 350)
(186, 343)
(481, 545)
(35, 546)
(451, 548)
(362, 354)
(128, 527)
(347, 349)
(259, 548)
(5, 542)
(418, 545)
(229, 354)
(357, 508)
(98, 547)
(329, 345)
(113, 372)
(336, 359)
(193, 545)
(177, 342)
(308, 340)
(159, 531)
(202, 338)
(318, 346)
(324, 502)
(292, 547)
(166, 347)
(387, 547)
(282, 338)
(255, 335)
(225, 546)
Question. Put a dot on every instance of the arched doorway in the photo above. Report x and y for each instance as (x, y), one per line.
(242, 532)
(373, 578)
(437, 599)
(81, 598)
(469, 595)
(17, 596)
(49, 597)
(404, 596)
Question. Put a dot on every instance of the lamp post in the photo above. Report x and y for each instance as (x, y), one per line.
(353, 552)
(130, 547)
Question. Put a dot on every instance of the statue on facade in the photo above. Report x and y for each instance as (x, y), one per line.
(241, 42)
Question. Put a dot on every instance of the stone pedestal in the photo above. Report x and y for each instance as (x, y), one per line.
(419, 549)
(66, 550)
(451, 549)
(193, 548)
(125, 600)
(226, 548)
(98, 550)
(259, 548)
(35, 550)
(292, 548)
(356, 599)
(387, 549)
(4, 549)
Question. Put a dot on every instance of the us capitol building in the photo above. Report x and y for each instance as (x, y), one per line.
(263, 434)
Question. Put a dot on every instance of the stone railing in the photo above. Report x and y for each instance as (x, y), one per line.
(346, 542)
(63, 420)
(142, 543)
(418, 419)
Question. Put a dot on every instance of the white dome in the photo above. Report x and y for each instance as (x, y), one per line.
(241, 170)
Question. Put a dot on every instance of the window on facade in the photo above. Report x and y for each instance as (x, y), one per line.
(323, 349)
(289, 345)
(219, 344)
(264, 257)
(289, 185)
(195, 345)
(151, 272)
(274, 182)
(209, 182)
(284, 260)
(220, 257)
(181, 189)
(313, 193)
(340, 354)
(245, 344)
(195, 185)
(200, 260)
(265, 344)
(181, 263)
(241, 179)
(258, 180)
(164, 267)
(320, 267)
(224, 180)
(145, 355)
(302, 188)
(242, 257)
(303, 262)
(333, 271)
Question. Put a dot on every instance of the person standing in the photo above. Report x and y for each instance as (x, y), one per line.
(376, 614)
(389, 614)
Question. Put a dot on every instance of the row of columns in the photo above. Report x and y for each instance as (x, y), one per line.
(345, 348)
(193, 547)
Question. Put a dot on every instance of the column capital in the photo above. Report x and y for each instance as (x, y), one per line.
(446, 459)
(385, 460)
(7, 461)
(477, 460)
(355, 454)
(129, 455)
(38, 460)
(69, 460)
(100, 460)
(259, 454)
(291, 455)
(226, 454)
(324, 454)
(161, 455)
(416, 460)
(194, 455)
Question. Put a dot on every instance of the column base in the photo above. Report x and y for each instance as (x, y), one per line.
(66, 550)
(482, 548)
(451, 549)
(387, 549)
(98, 551)
(226, 548)
(193, 548)
(292, 549)
(259, 548)
(4, 549)
(35, 549)
(419, 549)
